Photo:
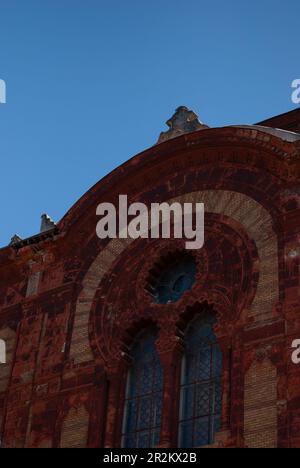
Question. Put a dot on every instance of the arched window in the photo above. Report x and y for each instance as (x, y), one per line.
(201, 391)
(143, 404)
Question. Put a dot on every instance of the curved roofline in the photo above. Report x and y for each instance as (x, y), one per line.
(252, 135)
(285, 135)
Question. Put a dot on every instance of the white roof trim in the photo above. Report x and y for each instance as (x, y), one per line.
(283, 134)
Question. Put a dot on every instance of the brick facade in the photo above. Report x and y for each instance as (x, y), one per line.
(71, 304)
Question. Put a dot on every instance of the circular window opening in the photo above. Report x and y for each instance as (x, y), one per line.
(172, 277)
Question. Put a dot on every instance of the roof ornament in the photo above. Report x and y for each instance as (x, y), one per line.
(15, 239)
(46, 223)
(183, 121)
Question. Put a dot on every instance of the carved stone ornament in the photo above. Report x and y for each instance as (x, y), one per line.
(183, 121)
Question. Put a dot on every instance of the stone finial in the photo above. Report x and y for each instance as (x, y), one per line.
(15, 239)
(183, 121)
(46, 223)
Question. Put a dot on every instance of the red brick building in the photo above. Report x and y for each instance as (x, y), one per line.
(142, 343)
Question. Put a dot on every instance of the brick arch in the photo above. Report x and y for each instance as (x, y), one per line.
(116, 309)
(257, 223)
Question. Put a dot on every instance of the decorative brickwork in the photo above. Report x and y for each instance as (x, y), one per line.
(261, 405)
(71, 305)
(74, 431)
(254, 219)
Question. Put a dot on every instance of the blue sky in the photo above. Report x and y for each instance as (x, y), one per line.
(90, 83)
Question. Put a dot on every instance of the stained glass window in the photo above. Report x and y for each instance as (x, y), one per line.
(143, 405)
(201, 391)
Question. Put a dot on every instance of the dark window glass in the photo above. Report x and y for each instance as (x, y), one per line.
(175, 278)
(201, 390)
(143, 405)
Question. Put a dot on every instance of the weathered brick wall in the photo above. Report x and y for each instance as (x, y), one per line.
(261, 405)
(74, 433)
(256, 222)
(76, 302)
